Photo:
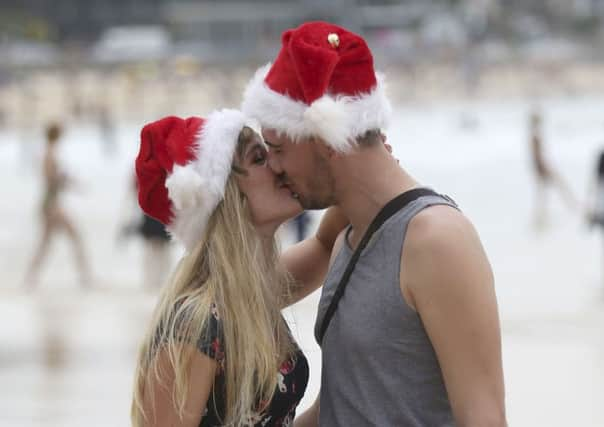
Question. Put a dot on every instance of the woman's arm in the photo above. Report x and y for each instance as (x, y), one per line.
(159, 406)
(308, 260)
(310, 417)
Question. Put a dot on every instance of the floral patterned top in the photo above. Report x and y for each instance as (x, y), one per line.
(292, 382)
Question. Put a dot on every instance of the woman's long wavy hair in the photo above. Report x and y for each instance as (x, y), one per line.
(234, 268)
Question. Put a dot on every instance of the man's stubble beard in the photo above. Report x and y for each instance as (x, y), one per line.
(321, 187)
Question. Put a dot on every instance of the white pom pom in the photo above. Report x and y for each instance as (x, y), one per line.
(329, 120)
(184, 187)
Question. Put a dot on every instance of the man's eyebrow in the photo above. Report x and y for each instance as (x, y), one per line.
(270, 144)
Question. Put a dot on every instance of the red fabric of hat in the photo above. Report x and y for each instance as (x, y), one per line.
(322, 83)
(309, 65)
(164, 143)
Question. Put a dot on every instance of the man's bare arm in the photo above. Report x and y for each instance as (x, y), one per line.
(447, 278)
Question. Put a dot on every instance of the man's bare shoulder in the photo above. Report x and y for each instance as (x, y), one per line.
(436, 226)
(440, 241)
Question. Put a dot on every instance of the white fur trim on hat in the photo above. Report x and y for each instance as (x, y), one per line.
(196, 188)
(336, 119)
(183, 187)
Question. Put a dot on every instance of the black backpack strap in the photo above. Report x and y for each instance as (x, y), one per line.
(392, 207)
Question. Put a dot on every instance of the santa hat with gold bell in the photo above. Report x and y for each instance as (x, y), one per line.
(322, 84)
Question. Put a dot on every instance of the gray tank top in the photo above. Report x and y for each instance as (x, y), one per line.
(379, 367)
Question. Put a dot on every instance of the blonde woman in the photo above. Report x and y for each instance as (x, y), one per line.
(218, 351)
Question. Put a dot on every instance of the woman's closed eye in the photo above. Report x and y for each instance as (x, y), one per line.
(258, 155)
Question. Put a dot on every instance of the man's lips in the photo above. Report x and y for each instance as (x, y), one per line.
(287, 186)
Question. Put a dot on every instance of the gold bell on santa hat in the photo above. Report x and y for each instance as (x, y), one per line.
(333, 40)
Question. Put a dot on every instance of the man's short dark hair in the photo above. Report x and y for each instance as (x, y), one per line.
(371, 137)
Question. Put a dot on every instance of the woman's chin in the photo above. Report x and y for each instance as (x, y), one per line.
(279, 214)
(295, 210)
(289, 215)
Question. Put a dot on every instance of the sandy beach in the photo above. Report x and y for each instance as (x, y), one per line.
(67, 355)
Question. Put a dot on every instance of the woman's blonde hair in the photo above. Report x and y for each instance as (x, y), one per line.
(236, 269)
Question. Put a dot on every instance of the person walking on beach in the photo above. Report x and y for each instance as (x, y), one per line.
(156, 258)
(408, 325)
(300, 225)
(595, 210)
(54, 217)
(107, 129)
(156, 262)
(595, 214)
(545, 175)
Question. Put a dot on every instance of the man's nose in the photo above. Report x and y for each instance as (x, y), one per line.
(274, 164)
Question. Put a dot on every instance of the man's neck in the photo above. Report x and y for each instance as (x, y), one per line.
(366, 182)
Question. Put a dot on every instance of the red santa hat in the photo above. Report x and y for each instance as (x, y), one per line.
(322, 84)
(182, 168)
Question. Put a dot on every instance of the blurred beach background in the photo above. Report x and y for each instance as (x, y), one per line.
(464, 77)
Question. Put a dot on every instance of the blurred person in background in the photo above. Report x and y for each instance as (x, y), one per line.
(107, 131)
(54, 218)
(156, 241)
(218, 351)
(545, 175)
(414, 337)
(595, 213)
(156, 257)
(3, 115)
(300, 225)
